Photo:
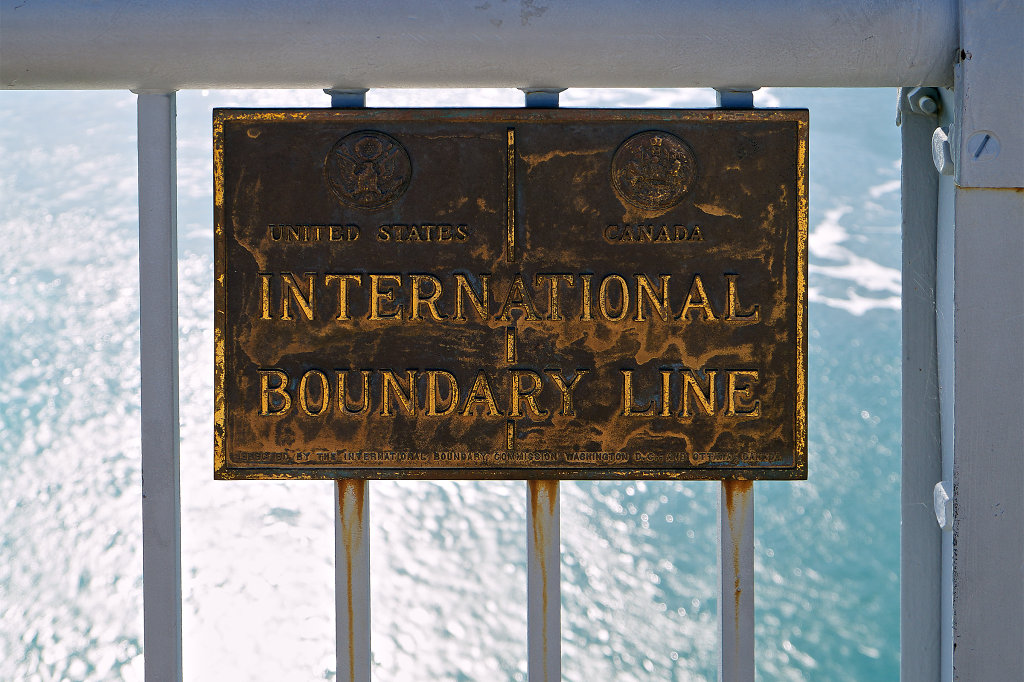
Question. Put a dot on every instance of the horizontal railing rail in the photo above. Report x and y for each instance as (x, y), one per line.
(180, 44)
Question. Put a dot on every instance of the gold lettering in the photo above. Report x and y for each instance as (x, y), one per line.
(705, 400)
(281, 390)
(666, 399)
(433, 396)
(733, 304)
(377, 297)
(604, 299)
(304, 301)
(743, 390)
(587, 302)
(628, 401)
(480, 303)
(554, 300)
(702, 305)
(520, 394)
(566, 388)
(265, 278)
(417, 297)
(390, 385)
(364, 394)
(343, 281)
(518, 297)
(304, 393)
(480, 393)
(645, 289)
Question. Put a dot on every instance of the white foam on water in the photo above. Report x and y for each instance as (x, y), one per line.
(832, 258)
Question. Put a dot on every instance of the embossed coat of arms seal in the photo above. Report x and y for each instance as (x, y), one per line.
(367, 169)
(653, 170)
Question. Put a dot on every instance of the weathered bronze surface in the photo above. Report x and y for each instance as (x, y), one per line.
(511, 293)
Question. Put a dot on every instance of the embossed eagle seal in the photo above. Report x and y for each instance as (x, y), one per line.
(653, 170)
(367, 169)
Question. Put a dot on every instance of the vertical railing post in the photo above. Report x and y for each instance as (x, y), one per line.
(158, 350)
(351, 535)
(984, 324)
(543, 553)
(352, 581)
(736, 536)
(920, 537)
(544, 603)
(736, 582)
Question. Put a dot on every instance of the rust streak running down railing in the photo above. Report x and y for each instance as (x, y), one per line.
(352, 581)
(736, 582)
(544, 589)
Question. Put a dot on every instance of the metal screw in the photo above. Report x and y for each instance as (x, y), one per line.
(983, 146)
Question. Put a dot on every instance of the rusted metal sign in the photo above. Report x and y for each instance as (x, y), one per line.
(511, 293)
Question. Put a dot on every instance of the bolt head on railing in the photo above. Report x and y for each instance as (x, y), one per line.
(924, 101)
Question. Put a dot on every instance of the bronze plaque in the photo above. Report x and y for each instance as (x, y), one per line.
(511, 293)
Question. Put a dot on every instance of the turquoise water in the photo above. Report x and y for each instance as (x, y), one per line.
(448, 559)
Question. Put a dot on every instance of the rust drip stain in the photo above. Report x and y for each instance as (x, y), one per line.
(734, 489)
(551, 489)
(350, 503)
(547, 489)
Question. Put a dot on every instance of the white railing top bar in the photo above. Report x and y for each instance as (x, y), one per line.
(162, 45)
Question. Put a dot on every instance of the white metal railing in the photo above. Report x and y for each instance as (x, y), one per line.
(158, 350)
(161, 497)
(736, 541)
(976, 302)
(181, 44)
(352, 580)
